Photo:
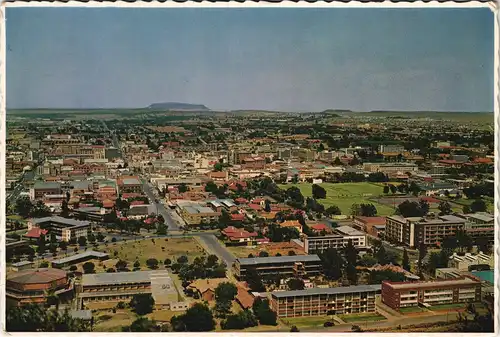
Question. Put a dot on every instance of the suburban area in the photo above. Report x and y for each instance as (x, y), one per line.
(179, 218)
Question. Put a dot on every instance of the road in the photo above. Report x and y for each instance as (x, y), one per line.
(14, 195)
(114, 139)
(159, 207)
(215, 246)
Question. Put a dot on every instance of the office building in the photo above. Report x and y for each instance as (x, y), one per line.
(286, 266)
(338, 240)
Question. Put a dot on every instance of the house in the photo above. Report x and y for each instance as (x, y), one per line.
(238, 236)
(320, 227)
(292, 224)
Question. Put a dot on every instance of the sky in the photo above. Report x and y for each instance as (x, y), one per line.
(291, 59)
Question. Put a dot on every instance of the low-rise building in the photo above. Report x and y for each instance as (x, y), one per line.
(286, 266)
(63, 228)
(339, 239)
(79, 258)
(195, 214)
(464, 262)
(373, 225)
(325, 301)
(409, 294)
(41, 189)
(238, 236)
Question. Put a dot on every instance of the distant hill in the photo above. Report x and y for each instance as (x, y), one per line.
(178, 106)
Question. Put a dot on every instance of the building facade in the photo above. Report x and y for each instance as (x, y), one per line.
(410, 294)
(338, 240)
(286, 266)
(64, 229)
(325, 301)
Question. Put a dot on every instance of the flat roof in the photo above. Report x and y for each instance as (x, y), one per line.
(90, 253)
(278, 259)
(347, 230)
(116, 278)
(61, 220)
(442, 283)
(327, 291)
(131, 181)
(45, 184)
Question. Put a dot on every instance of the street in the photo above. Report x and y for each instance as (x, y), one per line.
(214, 245)
(159, 207)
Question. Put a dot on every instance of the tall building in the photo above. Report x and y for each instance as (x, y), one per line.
(431, 231)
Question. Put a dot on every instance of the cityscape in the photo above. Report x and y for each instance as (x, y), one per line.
(241, 202)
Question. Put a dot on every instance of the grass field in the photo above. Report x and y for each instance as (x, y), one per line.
(145, 249)
(362, 317)
(450, 306)
(115, 322)
(408, 310)
(303, 322)
(344, 195)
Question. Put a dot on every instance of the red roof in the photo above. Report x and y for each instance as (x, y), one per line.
(319, 227)
(241, 201)
(255, 207)
(35, 233)
(238, 217)
(237, 233)
(257, 200)
(130, 195)
(373, 220)
(137, 202)
(482, 160)
(430, 200)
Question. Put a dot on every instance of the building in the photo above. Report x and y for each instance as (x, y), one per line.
(340, 239)
(22, 265)
(373, 225)
(238, 236)
(79, 258)
(129, 184)
(64, 229)
(410, 294)
(447, 273)
(195, 214)
(286, 266)
(325, 301)
(389, 168)
(34, 286)
(41, 189)
(465, 262)
(398, 149)
(115, 287)
(431, 231)
(292, 224)
(480, 225)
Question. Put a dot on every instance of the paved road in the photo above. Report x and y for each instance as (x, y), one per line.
(215, 246)
(16, 192)
(160, 208)
(114, 139)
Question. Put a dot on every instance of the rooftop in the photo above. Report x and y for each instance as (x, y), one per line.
(89, 253)
(41, 275)
(47, 185)
(116, 278)
(279, 259)
(348, 230)
(328, 291)
(436, 283)
(60, 220)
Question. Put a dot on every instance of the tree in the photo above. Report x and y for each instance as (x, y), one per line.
(44, 264)
(393, 189)
(386, 189)
(218, 167)
(350, 253)
(318, 192)
(63, 245)
(263, 312)
(333, 210)
(121, 265)
(167, 262)
(409, 209)
(267, 206)
(143, 324)
(91, 238)
(196, 319)
(381, 255)
(161, 229)
(294, 329)
(295, 284)
(41, 245)
(211, 261)
(137, 264)
(406, 260)
(352, 274)
(182, 259)
(224, 295)
(422, 252)
(295, 196)
(368, 260)
(332, 264)
(82, 241)
(377, 276)
(23, 207)
(444, 208)
(355, 210)
(142, 304)
(254, 280)
(466, 209)
(152, 263)
(88, 268)
(263, 253)
(478, 205)
(182, 188)
(241, 320)
(35, 318)
(64, 209)
(367, 210)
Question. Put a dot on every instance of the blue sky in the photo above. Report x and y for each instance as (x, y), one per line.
(276, 59)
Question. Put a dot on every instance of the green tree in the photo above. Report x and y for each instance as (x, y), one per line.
(406, 260)
(224, 295)
(381, 255)
(444, 208)
(294, 329)
(88, 267)
(318, 192)
(82, 241)
(143, 324)
(295, 284)
(478, 205)
(352, 274)
(142, 304)
(198, 318)
(218, 167)
(183, 188)
(386, 189)
(41, 245)
(332, 264)
(152, 263)
(24, 207)
(263, 312)
(333, 210)
(254, 280)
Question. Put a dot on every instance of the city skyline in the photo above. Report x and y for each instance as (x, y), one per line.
(269, 59)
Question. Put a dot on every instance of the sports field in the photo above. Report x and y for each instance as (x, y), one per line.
(344, 195)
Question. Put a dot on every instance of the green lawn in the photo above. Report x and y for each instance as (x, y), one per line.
(309, 321)
(362, 317)
(451, 306)
(344, 195)
(410, 310)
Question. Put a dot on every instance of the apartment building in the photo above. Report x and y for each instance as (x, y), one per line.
(114, 287)
(410, 294)
(339, 239)
(391, 148)
(41, 189)
(325, 301)
(431, 231)
(64, 228)
(389, 167)
(480, 225)
(286, 266)
(195, 214)
(464, 262)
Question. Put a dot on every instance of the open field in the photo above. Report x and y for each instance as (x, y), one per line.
(362, 317)
(114, 322)
(344, 195)
(450, 307)
(271, 248)
(160, 249)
